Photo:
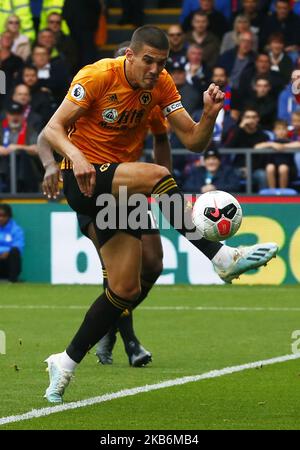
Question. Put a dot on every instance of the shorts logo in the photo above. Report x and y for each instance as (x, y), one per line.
(145, 98)
(104, 167)
(78, 92)
(171, 108)
(110, 115)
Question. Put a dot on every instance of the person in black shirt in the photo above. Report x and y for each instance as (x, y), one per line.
(280, 165)
(246, 135)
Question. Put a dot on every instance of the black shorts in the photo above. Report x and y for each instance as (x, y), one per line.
(87, 209)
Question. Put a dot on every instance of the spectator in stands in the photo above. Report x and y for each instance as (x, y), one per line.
(294, 135)
(197, 72)
(191, 93)
(42, 100)
(263, 101)
(11, 245)
(83, 19)
(192, 99)
(17, 136)
(10, 64)
(294, 129)
(262, 68)
(46, 38)
(280, 61)
(247, 134)
(22, 9)
(211, 175)
(21, 44)
(294, 3)
(225, 7)
(207, 40)
(51, 74)
(285, 21)
(288, 102)
(280, 165)
(58, 6)
(64, 43)
(178, 46)
(253, 10)
(241, 24)
(238, 59)
(217, 22)
(229, 115)
(21, 95)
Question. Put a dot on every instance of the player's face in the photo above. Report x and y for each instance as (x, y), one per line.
(146, 66)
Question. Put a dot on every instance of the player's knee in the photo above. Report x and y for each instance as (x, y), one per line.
(127, 291)
(159, 172)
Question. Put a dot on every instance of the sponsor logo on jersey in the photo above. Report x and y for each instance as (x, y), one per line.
(104, 167)
(145, 98)
(171, 108)
(78, 92)
(110, 115)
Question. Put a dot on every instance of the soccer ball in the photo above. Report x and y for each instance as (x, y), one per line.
(217, 215)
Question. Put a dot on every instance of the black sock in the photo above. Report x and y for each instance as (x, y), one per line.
(103, 313)
(125, 327)
(168, 186)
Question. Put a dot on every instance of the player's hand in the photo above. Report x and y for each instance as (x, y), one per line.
(51, 181)
(213, 100)
(85, 174)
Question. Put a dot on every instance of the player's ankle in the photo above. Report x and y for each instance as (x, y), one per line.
(223, 258)
(66, 362)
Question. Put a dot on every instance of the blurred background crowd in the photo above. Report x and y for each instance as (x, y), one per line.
(250, 48)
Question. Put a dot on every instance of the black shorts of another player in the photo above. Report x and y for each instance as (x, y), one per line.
(87, 209)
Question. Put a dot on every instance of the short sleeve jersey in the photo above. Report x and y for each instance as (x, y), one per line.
(117, 116)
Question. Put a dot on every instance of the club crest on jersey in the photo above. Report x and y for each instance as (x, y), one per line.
(145, 98)
(110, 115)
(78, 92)
(104, 167)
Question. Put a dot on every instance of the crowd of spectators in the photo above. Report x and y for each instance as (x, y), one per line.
(250, 48)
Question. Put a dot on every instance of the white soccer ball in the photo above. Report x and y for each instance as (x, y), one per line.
(217, 215)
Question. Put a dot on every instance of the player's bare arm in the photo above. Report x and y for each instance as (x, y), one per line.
(56, 134)
(196, 136)
(51, 177)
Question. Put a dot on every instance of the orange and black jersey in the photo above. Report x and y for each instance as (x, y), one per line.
(118, 116)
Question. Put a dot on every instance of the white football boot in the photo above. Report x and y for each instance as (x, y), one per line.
(246, 258)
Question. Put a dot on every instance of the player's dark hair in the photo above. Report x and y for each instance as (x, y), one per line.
(6, 209)
(149, 35)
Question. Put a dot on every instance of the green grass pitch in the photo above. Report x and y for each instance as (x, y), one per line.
(236, 325)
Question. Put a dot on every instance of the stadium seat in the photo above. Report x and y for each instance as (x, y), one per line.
(278, 191)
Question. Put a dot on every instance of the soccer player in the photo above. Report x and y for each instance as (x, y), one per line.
(98, 127)
(151, 244)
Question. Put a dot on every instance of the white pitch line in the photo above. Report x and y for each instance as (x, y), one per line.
(42, 412)
(161, 308)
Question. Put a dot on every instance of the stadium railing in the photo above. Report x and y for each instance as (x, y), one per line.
(248, 152)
